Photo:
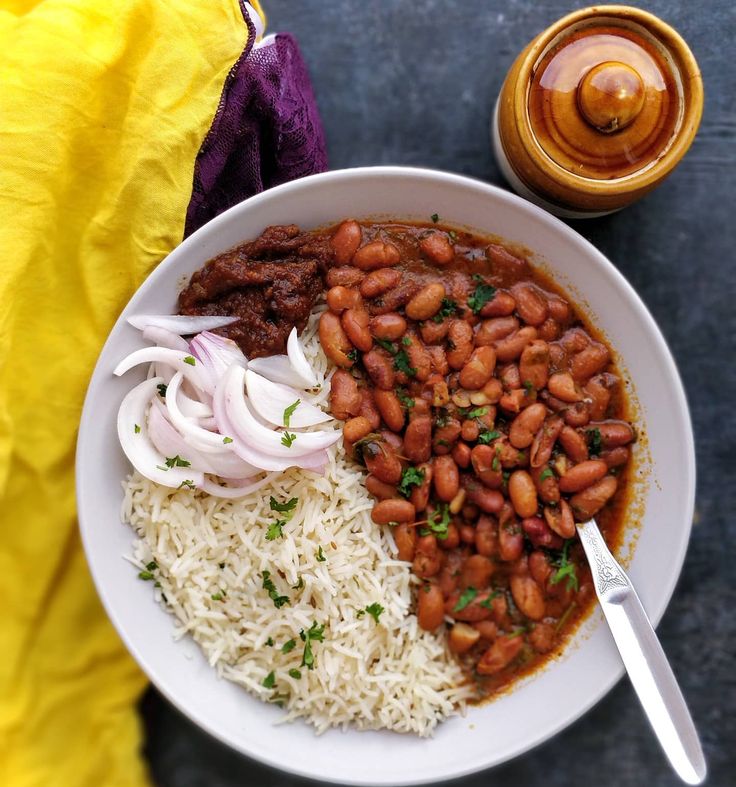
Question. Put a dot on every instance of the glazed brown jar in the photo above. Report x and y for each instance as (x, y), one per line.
(597, 110)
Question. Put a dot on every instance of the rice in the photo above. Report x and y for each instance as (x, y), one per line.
(332, 562)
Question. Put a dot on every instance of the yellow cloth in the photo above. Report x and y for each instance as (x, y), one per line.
(103, 107)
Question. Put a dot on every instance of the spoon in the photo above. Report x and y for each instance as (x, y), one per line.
(644, 659)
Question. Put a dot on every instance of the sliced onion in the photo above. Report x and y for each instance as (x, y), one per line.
(246, 487)
(261, 437)
(195, 435)
(137, 444)
(253, 455)
(162, 355)
(167, 440)
(164, 338)
(278, 369)
(192, 408)
(298, 360)
(180, 324)
(216, 355)
(270, 400)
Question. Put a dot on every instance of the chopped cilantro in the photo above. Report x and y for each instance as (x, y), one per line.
(447, 309)
(465, 598)
(374, 610)
(496, 464)
(478, 412)
(488, 601)
(404, 398)
(278, 601)
(227, 440)
(565, 569)
(438, 522)
(216, 596)
(294, 673)
(188, 484)
(177, 461)
(145, 575)
(190, 360)
(299, 585)
(275, 530)
(320, 555)
(435, 217)
(388, 346)
(136, 429)
(283, 508)
(287, 439)
(314, 633)
(269, 681)
(545, 474)
(152, 566)
(594, 441)
(353, 355)
(412, 476)
(529, 387)
(483, 293)
(288, 646)
(401, 363)
(289, 411)
(488, 436)
(269, 642)
(161, 388)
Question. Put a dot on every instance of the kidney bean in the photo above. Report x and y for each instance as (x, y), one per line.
(381, 460)
(487, 629)
(445, 436)
(393, 440)
(493, 390)
(421, 407)
(502, 304)
(542, 637)
(460, 343)
(334, 340)
(527, 596)
(560, 519)
(534, 364)
(427, 302)
(345, 241)
(540, 534)
(491, 331)
(547, 488)
(559, 309)
(523, 493)
(526, 425)
(346, 276)
(434, 332)
(582, 475)
(510, 348)
(484, 458)
(452, 539)
(577, 414)
(477, 370)
(376, 254)
(488, 500)
(461, 453)
(450, 572)
(389, 407)
(613, 433)
(574, 340)
(356, 429)
(430, 607)
(379, 489)
(467, 534)
(340, 298)
(395, 299)
(418, 440)
(396, 510)
(418, 356)
(438, 248)
(590, 361)
(598, 391)
(505, 263)
(420, 494)
(379, 365)
(510, 541)
(476, 572)
(510, 377)
(405, 536)
(503, 651)
(486, 536)
(439, 360)
(549, 330)
(531, 305)
(427, 557)
(355, 324)
(379, 281)
(470, 430)
(616, 457)
(462, 637)
(544, 441)
(562, 387)
(539, 567)
(446, 478)
(589, 502)
(390, 326)
(345, 397)
(368, 408)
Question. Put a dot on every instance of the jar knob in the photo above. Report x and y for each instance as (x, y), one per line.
(610, 96)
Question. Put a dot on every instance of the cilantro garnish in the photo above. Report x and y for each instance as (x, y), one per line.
(404, 398)
(289, 411)
(487, 602)
(374, 610)
(269, 681)
(288, 646)
(177, 461)
(401, 363)
(278, 601)
(287, 439)
(483, 293)
(594, 441)
(314, 633)
(435, 218)
(283, 508)
(487, 436)
(438, 522)
(320, 555)
(190, 360)
(161, 388)
(565, 569)
(136, 429)
(545, 474)
(187, 483)
(294, 673)
(478, 412)
(388, 346)
(275, 530)
(412, 476)
(227, 440)
(447, 309)
(465, 598)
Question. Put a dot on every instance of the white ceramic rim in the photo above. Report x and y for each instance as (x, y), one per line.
(607, 271)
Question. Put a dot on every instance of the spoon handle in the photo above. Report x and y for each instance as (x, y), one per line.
(644, 659)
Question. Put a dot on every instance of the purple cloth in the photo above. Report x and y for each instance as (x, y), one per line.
(266, 130)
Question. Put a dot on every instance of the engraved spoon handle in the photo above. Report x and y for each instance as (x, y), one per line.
(644, 659)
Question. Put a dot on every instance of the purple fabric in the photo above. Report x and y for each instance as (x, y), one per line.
(266, 130)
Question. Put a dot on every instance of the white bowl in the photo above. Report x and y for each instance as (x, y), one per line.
(539, 706)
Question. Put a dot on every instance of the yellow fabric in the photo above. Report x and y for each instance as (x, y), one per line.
(103, 107)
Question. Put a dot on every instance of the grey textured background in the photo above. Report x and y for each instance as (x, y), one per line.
(413, 82)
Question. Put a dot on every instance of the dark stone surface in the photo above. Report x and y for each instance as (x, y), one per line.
(405, 82)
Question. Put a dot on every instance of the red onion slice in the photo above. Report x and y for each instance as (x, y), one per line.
(278, 369)
(216, 355)
(137, 445)
(173, 358)
(271, 400)
(164, 338)
(298, 360)
(199, 438)
(179, 324)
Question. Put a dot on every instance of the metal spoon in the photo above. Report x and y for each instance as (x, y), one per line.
(644, 659)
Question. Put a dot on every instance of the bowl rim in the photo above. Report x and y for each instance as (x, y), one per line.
(607, 270)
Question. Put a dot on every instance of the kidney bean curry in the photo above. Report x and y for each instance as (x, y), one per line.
(488, 415)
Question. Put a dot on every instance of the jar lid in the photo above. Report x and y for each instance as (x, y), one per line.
(605, 100)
